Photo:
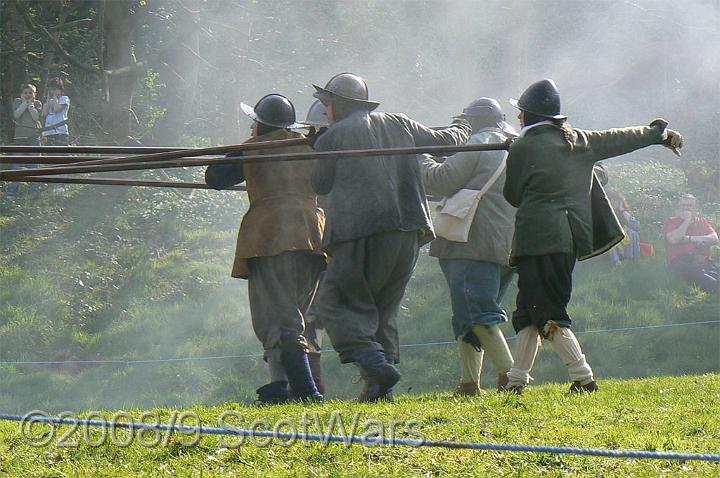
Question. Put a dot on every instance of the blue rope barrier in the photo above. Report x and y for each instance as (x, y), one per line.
(257, 355)
(600, 452)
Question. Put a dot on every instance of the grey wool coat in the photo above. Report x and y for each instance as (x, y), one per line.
(491, 231)
(372, 195)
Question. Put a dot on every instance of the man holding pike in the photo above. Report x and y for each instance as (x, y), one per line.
(377, 218)
(278, 248)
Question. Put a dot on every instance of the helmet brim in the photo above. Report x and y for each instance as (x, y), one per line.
(516, 104)
(309, 124)
(507, 128)
(250, 112)
(323, 94)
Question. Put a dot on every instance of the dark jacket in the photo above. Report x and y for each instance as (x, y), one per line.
(370, 195)
(562, 208)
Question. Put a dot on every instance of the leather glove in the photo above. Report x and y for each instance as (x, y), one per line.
(673, 140)
(314, 134)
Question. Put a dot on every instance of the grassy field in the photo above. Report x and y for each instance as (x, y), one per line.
(132, 274)
(662, 413)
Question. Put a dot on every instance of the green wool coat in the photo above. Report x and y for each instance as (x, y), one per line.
(562, 207)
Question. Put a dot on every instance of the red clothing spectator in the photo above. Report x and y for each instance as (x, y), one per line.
(688, 239)
(699, 226)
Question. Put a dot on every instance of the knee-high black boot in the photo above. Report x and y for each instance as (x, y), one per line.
(295, 361)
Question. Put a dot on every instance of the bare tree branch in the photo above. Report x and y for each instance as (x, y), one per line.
(56, 44)
(132, 69)
(74, 23)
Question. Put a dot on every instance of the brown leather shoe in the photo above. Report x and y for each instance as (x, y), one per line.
(502, 382)
(577, 387)
(468, 389)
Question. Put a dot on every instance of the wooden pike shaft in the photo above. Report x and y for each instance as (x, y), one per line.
(45, 159)
(314, 155)
(190, 153)
(66, 160)
(139, 154)
(154, 183)
(121, 182)
(91, 149)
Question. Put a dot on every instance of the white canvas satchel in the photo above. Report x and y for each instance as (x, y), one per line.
(456, 213)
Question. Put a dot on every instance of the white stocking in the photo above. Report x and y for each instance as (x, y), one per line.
(527, 344)
(470, 362)
(567, 347)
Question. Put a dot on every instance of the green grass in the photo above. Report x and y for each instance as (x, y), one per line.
(661, 413)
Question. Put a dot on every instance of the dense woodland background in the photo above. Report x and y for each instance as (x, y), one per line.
(97, 273)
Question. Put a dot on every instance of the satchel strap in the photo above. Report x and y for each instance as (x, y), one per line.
(493, 179)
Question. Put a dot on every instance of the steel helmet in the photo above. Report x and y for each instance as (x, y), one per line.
(488, 112)
(273, 110)
(347, 86)
(316, 116)
(542, 99)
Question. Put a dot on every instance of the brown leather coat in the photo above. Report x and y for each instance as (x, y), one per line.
(283, 214)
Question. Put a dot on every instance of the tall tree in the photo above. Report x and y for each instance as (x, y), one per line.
(116, 24)
(14, 70)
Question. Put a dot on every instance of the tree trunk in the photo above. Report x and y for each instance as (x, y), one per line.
(117, 20)
(14, 69)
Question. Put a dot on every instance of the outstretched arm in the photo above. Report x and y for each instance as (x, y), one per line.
(618, 141)
(457, 133)
(449, 175)
(223, 176)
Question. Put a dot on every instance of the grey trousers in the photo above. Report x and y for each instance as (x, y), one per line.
(361, 291)
(281, 289)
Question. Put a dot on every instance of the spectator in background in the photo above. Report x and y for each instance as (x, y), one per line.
(26, 116)
(55, 112)
(688, 240)
(629, 248)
